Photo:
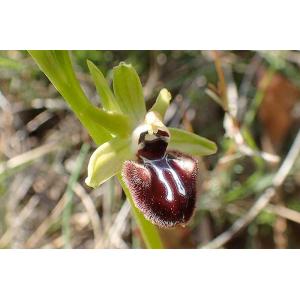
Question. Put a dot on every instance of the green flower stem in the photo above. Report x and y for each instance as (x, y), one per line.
(148, 230)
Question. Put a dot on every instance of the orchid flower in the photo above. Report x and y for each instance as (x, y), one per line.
(157, 163)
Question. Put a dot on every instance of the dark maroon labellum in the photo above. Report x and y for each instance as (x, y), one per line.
(162, 184)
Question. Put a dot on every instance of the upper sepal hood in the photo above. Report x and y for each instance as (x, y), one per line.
(129, 92)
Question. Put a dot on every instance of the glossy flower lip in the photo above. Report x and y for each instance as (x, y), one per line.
(165, 189)
(157, 162)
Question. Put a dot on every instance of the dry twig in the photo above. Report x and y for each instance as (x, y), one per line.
(20, 219)
(34, 239)
(91, 211)
(284, 212)
(28, 157)
(231, 123)
(114, 235)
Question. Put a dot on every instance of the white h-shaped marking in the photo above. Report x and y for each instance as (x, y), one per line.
(162, 178)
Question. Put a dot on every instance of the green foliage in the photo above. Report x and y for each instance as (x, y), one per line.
(8, 63)
(58, 68)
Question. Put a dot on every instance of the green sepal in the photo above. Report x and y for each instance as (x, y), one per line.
(129, 92)
(107, 161)
(162, 102)
(190, 143)
(116, 123)
(106, 96)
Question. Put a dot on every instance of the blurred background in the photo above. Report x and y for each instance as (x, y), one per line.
(43, 149)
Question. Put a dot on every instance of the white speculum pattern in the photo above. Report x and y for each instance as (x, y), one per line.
(160, 173)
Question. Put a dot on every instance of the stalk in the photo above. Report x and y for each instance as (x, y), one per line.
(148, 230)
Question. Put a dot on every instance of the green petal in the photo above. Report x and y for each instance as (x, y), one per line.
(107, 97)
(190, 143)
(129, 92)
(107, 161)
(162, 102)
